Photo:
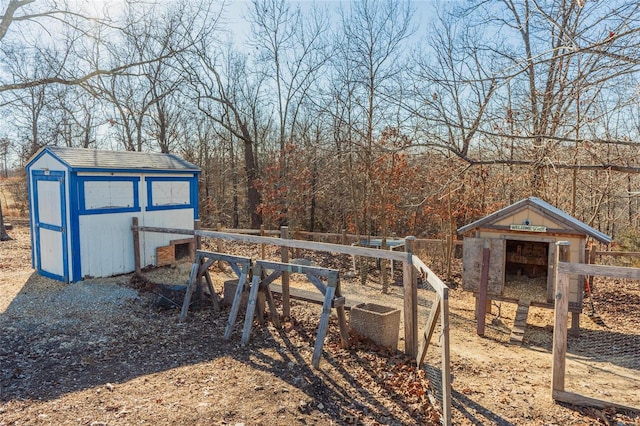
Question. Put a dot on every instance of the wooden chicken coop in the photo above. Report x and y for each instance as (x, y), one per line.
(521, 247)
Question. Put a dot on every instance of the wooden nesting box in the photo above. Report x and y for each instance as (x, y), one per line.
(521, 240)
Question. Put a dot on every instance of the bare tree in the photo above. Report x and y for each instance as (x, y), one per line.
(228, 95)
(292, 46)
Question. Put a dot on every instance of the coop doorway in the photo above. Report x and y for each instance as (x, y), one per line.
(527, 270)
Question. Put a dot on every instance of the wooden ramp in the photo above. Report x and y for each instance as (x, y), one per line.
(520, 322)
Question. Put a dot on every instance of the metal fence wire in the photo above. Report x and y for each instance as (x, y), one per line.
(603, 361)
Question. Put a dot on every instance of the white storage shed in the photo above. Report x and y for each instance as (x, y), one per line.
(82, 202)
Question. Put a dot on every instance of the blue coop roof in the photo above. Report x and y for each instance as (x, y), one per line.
(78, 159)
(545, 208)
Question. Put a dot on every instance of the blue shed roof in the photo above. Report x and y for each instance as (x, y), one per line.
(546, 209)
(88, 159)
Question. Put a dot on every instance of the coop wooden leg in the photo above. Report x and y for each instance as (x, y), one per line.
(575, 324)
(322, 328)
(193, 277)
(235, 306)
(251, 308)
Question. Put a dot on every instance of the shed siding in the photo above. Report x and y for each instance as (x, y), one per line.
(534, 217)
(47, 161)
(106, 244)
(149, 241)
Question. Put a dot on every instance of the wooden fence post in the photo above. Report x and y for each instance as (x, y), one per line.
(136, 244)
(343, 238)
(197, 225)
(410, 284)
(262, 246)
(449, 254)
(284, 254)
(561, 317)
(481, 309)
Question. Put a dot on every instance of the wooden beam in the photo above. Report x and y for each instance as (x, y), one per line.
(481, 308)
(136, 244)
(561, 317)
(197, 225)
(616, 254)
(284, 255)
(410, 283)
(433, 280)
(600, 270)
(296, 268)
(306, 245)
(584, 401)
(446, 357)
(251, 305)
(314, 297)
(235, 306)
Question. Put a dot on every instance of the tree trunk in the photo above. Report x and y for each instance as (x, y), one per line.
(3, 232)
(253, 196)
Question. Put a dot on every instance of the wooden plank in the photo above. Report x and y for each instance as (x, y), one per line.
(223, 256)
(275, 318)
(136, 244)
(193, 276)
(583, 401)
(616, 253)
(551, 281)
(434, 281)
(519, 322)
(315, 297)
(270, 278)
(318, 283)
(561, 316)
(197, 225)
(305, 245)
(204, 266)
(247, 231)
(446, 357)
(212, 292)
(342, 320)
(322, 328)
(284, 256)
(251, 306)
(600, 270)
(410, 284)
(295, 268)
(430, 328)
(481, 308)
(235, 306)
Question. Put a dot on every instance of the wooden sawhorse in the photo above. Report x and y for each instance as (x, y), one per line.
(330, 291)
(200, 268)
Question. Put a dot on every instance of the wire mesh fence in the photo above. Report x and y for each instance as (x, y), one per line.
(432, 359)
(603, 362)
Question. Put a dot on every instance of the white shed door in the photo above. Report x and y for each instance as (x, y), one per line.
(50, 225)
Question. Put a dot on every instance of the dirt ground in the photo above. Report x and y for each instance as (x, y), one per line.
(101, 352)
